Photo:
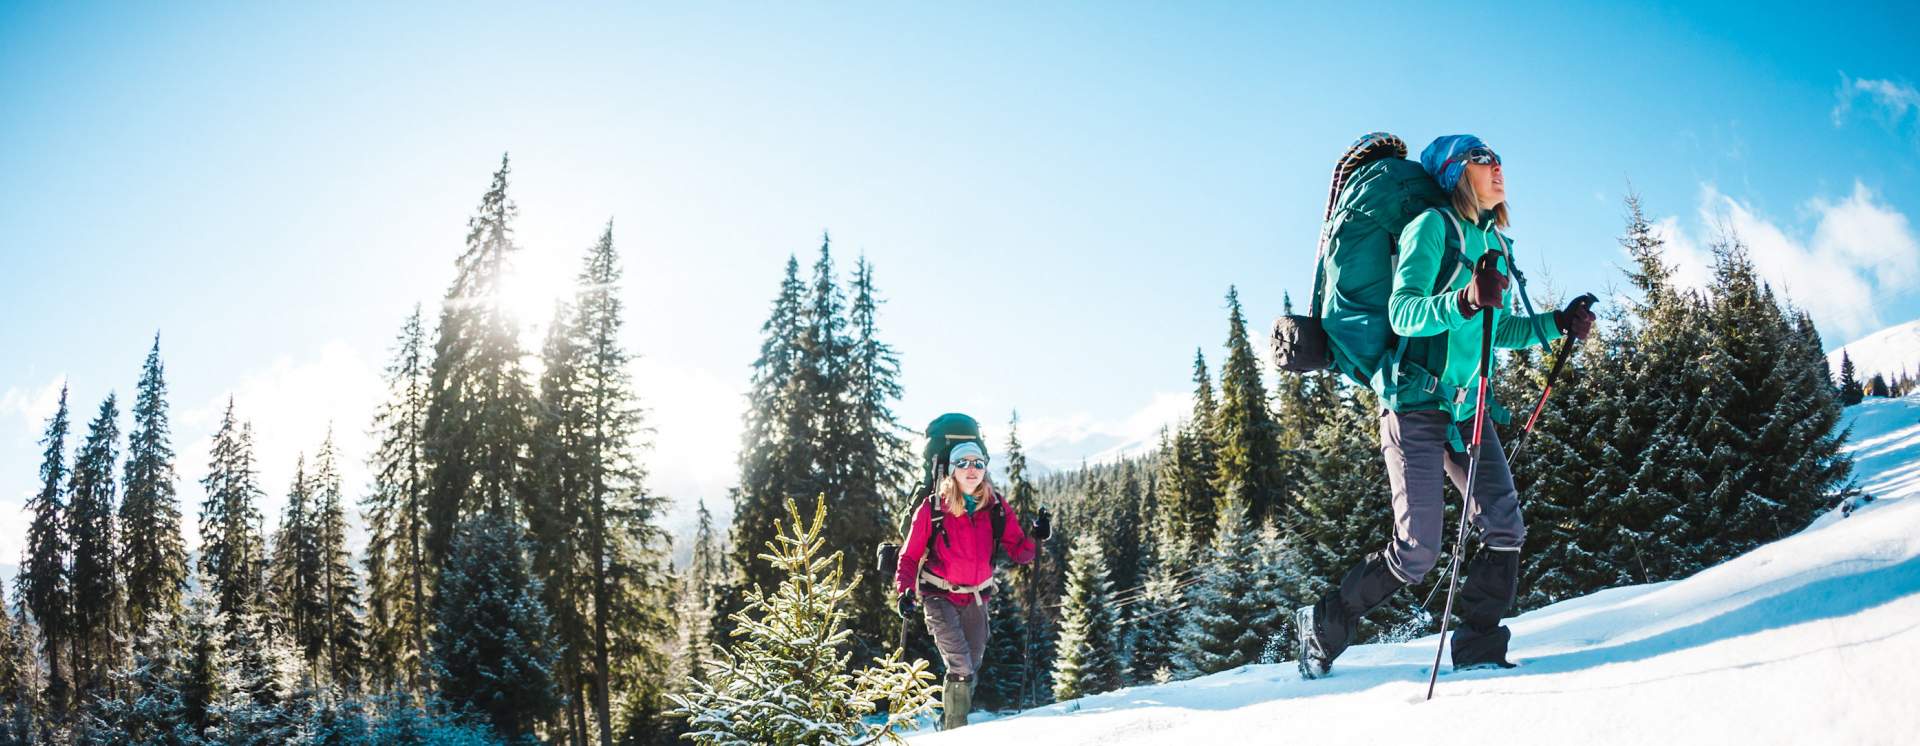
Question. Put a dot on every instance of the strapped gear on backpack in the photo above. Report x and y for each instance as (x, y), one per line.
(1375, 192)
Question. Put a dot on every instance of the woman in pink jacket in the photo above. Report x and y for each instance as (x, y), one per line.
(949, 563)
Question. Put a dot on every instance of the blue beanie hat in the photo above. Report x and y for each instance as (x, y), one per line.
(965, 449)
(1445, 159)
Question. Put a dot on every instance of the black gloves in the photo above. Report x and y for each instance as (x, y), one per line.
(905, 605)
(1483, 291)
(1042, 525)
(1577, 320)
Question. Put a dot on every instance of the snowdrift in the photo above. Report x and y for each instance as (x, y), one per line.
(1813, 639)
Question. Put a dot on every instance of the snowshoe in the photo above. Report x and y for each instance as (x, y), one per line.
(1313, 659)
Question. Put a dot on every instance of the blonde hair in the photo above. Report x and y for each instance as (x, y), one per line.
(1467, 202)
(956, 502)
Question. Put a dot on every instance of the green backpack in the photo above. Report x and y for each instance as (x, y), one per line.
(945, 432)
(1376, 191)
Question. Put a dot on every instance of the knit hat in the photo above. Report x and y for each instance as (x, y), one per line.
(1446, 158)
(965, 449)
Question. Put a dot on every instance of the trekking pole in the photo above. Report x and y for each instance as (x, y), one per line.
(1567, 346)
(1473, 467)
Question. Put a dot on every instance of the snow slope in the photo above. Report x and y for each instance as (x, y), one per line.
(1890, 351)
(1811, 639)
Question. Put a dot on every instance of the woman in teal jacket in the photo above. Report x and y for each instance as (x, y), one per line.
(1428, 394)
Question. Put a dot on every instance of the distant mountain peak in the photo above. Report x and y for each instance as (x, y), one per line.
(1890, 351)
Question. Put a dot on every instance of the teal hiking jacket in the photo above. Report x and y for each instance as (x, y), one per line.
(1435, 338)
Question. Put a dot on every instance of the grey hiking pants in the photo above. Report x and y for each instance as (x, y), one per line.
(959, 631)
(1415, 446)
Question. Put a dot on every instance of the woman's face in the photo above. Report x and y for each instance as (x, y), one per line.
(1489, 183)
(969, 471)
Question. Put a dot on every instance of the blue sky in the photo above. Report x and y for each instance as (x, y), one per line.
(1072, 187)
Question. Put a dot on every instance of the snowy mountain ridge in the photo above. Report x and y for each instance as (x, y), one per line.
(1890, 351)
(1810, 639)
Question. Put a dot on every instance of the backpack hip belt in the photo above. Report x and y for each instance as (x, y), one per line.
(942, 583)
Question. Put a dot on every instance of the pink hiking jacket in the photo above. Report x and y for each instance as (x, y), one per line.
(965, 554)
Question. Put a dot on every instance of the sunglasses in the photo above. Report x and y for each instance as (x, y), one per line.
(1482, 156)
(970, 463)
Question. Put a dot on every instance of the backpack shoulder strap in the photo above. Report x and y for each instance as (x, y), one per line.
(1450, 254)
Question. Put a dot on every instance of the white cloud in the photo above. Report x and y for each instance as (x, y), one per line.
(31, 406)
(1895, 104)
(1692, 263)
(1860, 252)
(291, 404)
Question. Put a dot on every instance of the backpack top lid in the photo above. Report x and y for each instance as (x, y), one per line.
(943, 433)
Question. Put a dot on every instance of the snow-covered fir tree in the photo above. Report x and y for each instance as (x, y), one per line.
(1089, 658)
(1216, 635)
(785, 678)
(342, 633)
(493, 650)
(232, 551)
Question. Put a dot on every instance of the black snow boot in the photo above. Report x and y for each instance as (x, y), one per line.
(1326, 628)
(1493, 577)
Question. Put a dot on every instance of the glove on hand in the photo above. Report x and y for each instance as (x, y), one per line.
(1043, 525)
(1577, 320)
(905, 605)
(1484, 290)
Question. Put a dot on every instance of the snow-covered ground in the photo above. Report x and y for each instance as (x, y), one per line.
(1813, 639)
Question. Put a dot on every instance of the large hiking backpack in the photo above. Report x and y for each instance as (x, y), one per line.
(1376, 191)
(945, 432)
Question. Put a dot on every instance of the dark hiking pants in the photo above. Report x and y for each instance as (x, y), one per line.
(959, 631)
(1414, 445)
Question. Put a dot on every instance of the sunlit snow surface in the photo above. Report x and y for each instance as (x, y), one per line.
(1813, 639)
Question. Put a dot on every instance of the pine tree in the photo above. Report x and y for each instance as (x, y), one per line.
(770, 444)
(1878, 386)
(293, 572)
(1189, 498)
(152, 551)
(42, 585)
(1850, 389)
(1250, 462)
(785, 679)
(1217, 636)
(18, 698)
(398, 578)
(878, 464)
(492, 650)
(607, 590)
(1344, 507)
(555, 518)
(202, 663)
(97, 593)
(144, 705)
(232, 552)
(1003, 671)
(1155, 628)
(1088, 662)
(258, 686)
(477, 426)
(342, 634)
